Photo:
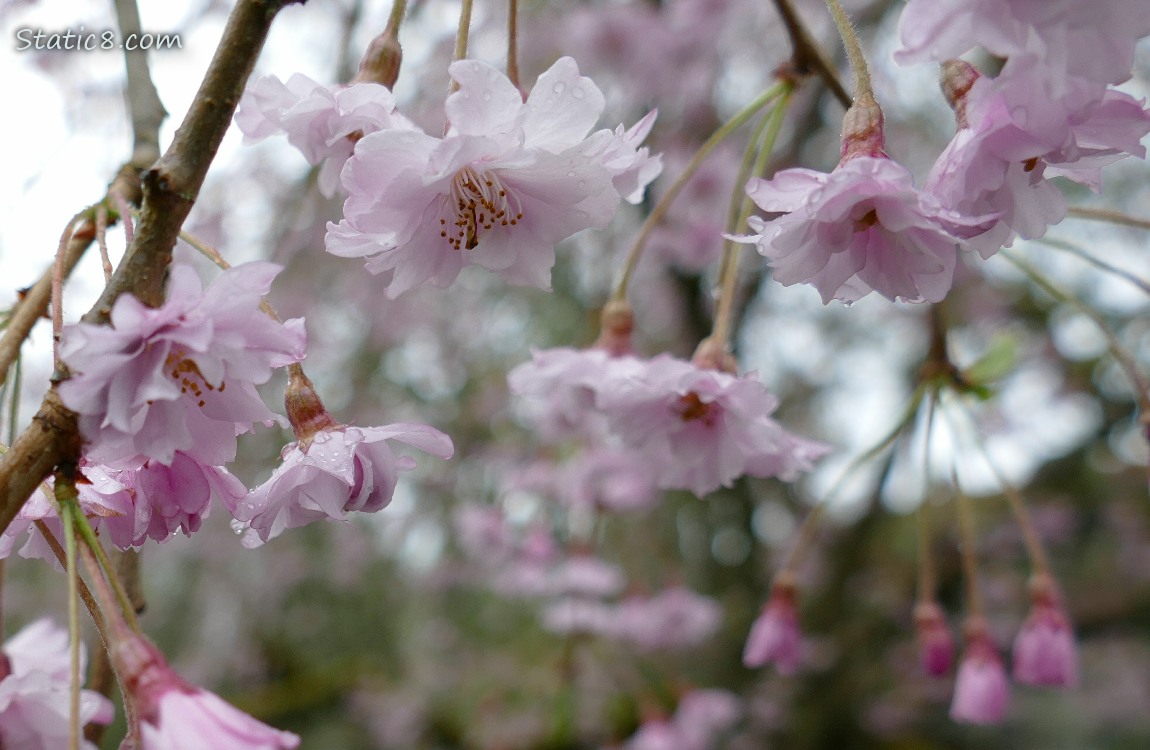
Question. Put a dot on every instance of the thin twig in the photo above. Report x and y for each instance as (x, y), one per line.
(146, 110)
(805, 56)
(513, 42)
(1103, 214)
(1096, 262)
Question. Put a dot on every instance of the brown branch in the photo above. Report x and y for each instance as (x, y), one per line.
(147, 111)
(169, 189)
(806, 59)
(1102, 214)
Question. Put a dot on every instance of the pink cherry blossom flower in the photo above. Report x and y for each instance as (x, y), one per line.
(1091, 40)
(701, 429)
(702, 715)
(584, 575)
(981, 691)
(180, 377)
(341, 470)
(632, 168)
(558, 386)
(323, 122)
(618, 481)
(175, 715)
(775, 634)
(675, 618)
(507, 182)
(864, 227)
(1044, 651)
(35, 688)
(936, 647)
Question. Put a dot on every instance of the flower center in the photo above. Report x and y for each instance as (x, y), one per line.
(480, 202)
(691, 408)
(187, 374)
(866, 221)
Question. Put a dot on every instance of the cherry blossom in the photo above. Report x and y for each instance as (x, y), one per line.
(340, 470)
(323, 122)
(182, 376)
(1090, 40)
(701, 429)
(936, 647)
(775, 635)
(1044, 651)
(175, 715)
(981, 690)
(509, 180)
(35, 685)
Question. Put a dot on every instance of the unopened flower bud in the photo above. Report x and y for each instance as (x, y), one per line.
(955, 79)
(616, 323)
(1044, 651)
(936, 647)
(863, 130)
(775, 636)
(305, 411)
(981, 691)
(381, 62)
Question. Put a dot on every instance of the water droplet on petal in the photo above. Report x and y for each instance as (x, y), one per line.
(577, 92)
(570, 174)
(582, 184)
(486, 96)
(558, 87)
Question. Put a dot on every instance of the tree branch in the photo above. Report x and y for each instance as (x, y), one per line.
(144, 105)
(169, 189)
(806, 58)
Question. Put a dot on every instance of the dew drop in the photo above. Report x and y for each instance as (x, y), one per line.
(570, 174)
(582, 184)
(486, 96)
(558, 87)
(577, 92)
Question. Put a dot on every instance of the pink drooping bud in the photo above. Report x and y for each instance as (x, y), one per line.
(171, 710)
(1044, 651)
(981, 691)
(775, 636)
(936, 647)
(862, 133)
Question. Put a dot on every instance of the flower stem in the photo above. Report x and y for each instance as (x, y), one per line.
(966, 536)
(676, 187)
(1102, 214)
(854, 50)
(806, 533)
(764, 138)
(513, 42)
(461, 38)
(67, 508)
(1120, 355)
(927, 584)
(108, 570)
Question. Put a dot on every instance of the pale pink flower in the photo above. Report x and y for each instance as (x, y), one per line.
(618, 481)
(483, 532)
(182, 376)
(632, 168)
(323, 122)
(1044, 651)
(698, 428)
(1093, 40)
(574, 614)
(507, 182)
(35, 685)
(702, 715)
(864, 227)
(675, 618)
(175, 715)
(583, 575)
(775, 634)
(340, 470)
(936, 647)
(981, 691)
(659, 734)
(558, 386)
